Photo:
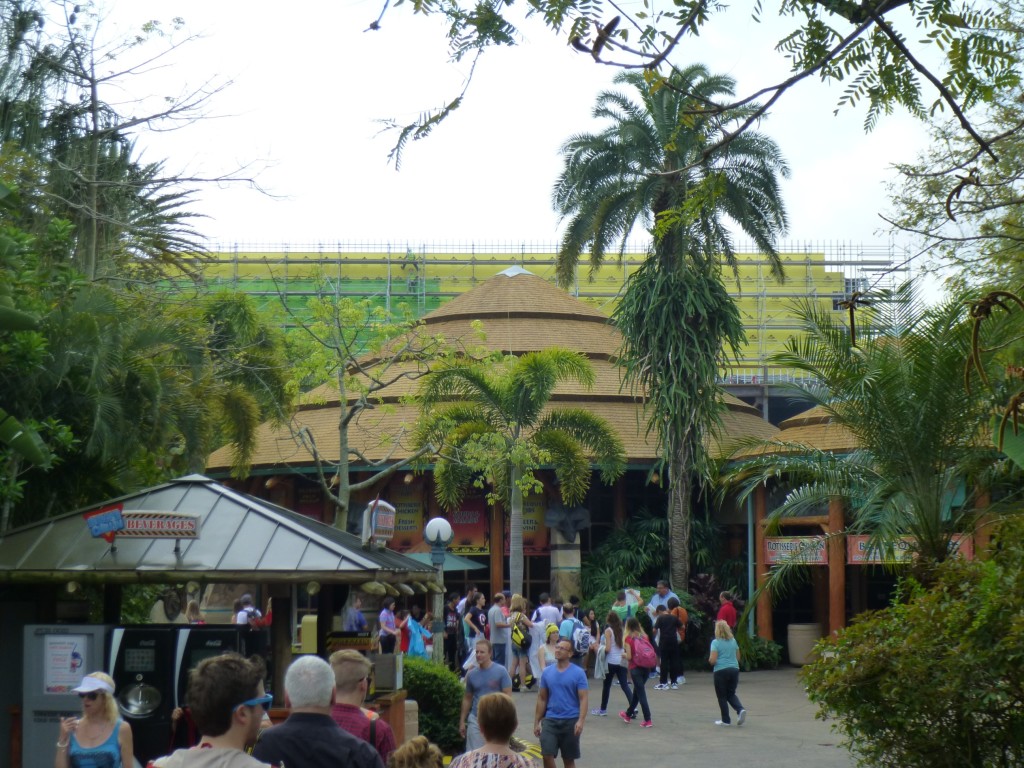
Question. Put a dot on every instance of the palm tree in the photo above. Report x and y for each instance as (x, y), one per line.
(493, 419)
(656, 165)
(900, 392)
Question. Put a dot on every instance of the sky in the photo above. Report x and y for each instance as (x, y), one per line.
(308, 87)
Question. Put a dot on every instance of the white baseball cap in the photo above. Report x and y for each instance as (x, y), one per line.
(91, 684)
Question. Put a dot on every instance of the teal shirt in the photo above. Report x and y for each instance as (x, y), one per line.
(726, 654)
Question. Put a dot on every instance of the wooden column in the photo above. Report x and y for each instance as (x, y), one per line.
(983, 525)
(836, 566)
(497, 545)
(764, 603)
(280, 637)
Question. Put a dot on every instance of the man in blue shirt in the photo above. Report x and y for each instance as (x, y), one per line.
(486, 677)
(561, 708)
(661, 597)
(354, 619)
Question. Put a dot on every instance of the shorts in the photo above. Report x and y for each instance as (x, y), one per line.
(558, 735)
(519, 653)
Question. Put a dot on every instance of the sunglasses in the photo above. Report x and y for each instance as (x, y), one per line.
(91, 696)
(261, 701)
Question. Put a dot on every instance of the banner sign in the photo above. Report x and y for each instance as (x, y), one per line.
(471, 528)
(809, 550)
(378, 522)
(535, 533)
(859, 553)
(408, 501)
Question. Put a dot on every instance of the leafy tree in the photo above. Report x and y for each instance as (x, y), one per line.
(935, 679)
(899, 390)
(656, 164)
(357, 354)
(493, 421)
(878, 51)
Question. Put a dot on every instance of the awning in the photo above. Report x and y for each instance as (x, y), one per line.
(241, 539)
(451, 562)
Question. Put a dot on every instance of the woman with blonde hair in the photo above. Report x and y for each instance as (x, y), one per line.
(99, 736)
(725, 658)
(520, 655)
(496, 716)
(192, 613)
(418, 752)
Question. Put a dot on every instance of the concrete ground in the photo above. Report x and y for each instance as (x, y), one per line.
(780, 729)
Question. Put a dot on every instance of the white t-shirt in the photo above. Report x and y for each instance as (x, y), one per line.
(245, 614)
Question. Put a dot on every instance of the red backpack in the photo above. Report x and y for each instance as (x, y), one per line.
(643, 652)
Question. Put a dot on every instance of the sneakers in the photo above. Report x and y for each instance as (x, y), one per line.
(741, 718)
(681, 681)
(599, 712)
(625, 717)
(675, 686)
(724, 724)
(646, 724)
(661, 687)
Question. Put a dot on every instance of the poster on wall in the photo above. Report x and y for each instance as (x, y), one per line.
(535, 533)
(408, 501)
(471, 528)
(810, 550)
(63, 662)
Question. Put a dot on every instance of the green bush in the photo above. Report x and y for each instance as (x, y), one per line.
(438, 692)
(937, 679)
(758, 653)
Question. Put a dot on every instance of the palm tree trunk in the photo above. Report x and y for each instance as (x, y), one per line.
(515, 534)
(679, 518)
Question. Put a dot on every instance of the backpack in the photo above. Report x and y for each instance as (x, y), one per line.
(580, 638)
(643, 653)
(521, 637)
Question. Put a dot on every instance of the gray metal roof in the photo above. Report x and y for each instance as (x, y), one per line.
(241, 539)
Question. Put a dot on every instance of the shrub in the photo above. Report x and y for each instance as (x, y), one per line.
(758, 653)
(937, 679)
(438, 692)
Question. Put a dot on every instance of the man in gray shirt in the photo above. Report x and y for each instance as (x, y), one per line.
(486, 677)
(499, 625)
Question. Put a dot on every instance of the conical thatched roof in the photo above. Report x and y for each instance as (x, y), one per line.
(813, 429)
(520, 313)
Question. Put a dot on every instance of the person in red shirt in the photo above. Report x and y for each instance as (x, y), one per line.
(351, 680)
(727, 611)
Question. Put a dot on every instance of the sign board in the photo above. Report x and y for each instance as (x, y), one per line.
(378, 522)
(810, 550)
(858, 551)
(141, 524)
(105, 523)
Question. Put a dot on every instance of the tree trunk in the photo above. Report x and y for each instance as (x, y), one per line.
(515, 534)
(679, 518)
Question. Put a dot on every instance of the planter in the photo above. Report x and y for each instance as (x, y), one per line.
(801, 639)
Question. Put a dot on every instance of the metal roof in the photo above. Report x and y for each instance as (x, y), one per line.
(241, 539)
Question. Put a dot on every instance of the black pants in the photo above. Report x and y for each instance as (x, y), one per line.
(671, 662)
(387, 643)
(726, 682)
(639, 676)
(620, 673)
(451, 650)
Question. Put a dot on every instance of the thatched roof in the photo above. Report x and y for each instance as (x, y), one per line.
(520, 313)
(813, 429)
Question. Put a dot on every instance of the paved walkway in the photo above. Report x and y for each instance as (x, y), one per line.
(780, 730)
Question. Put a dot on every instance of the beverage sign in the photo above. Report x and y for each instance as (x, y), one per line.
(141, 524)
(105, 523)
(809, 550)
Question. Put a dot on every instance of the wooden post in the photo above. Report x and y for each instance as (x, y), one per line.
(836, 566)
(497, 545)
(764, 603)
(280, 637)
(983, 525)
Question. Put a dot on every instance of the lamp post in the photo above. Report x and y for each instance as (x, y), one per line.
(438, 533)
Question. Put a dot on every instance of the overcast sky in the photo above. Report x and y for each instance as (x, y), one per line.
(309, 84)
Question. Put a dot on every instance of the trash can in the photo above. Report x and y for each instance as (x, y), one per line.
(801, 639)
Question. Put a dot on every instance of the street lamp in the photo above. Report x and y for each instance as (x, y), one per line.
(438, 533)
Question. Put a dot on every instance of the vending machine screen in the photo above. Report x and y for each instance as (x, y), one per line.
(140, 659)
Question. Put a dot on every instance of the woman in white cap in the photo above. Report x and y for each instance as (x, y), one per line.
(99, 737)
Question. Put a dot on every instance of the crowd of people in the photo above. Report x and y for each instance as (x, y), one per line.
(498, 650)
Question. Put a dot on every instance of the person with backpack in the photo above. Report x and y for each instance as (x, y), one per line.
(520, 629)
(576, 632)
(640, 655)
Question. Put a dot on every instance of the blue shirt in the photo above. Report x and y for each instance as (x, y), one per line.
(106, 755)
(726, 654)
(480, 682)
(563, 687)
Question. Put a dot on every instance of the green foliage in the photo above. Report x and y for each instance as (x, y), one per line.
(937, 679)
(438, 692)
(758, 653)
(633, 554)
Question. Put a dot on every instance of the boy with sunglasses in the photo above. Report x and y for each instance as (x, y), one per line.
(227, 702)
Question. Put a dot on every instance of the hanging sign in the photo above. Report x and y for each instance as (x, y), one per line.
(378, 522)
(858, 552)
(810, 550)
(471, 528)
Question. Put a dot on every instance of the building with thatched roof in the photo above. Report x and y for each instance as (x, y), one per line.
(520, 312)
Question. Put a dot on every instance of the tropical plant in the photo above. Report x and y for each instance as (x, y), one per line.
(636, 553)
(937, 678)
(899, 390)
(655, 165)
(493, 421)
(438, 692)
